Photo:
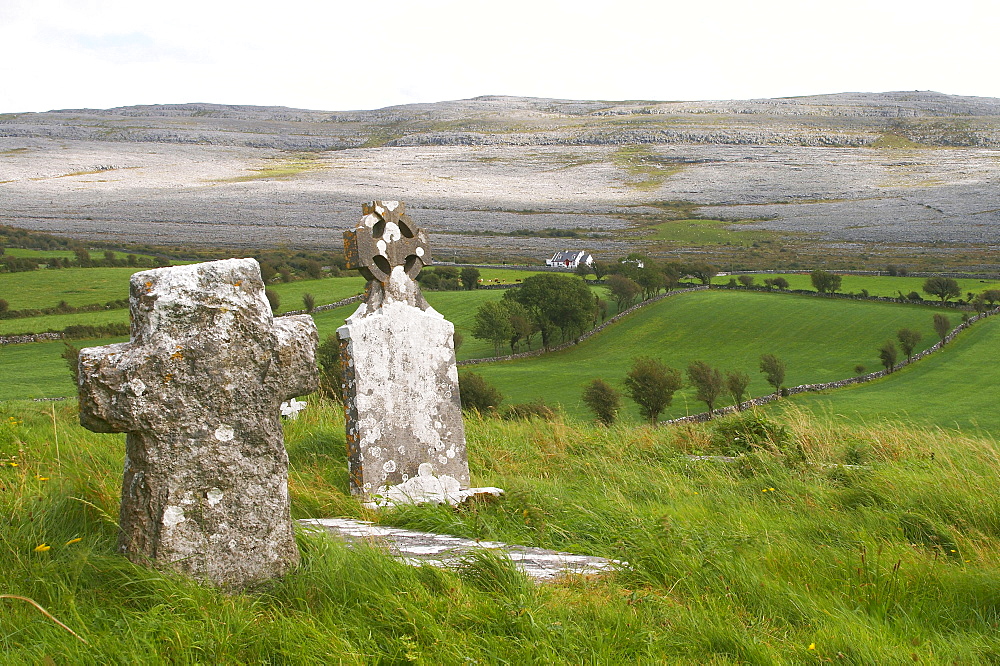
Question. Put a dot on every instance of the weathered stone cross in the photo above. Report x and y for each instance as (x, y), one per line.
(405, 436)
(198, 390)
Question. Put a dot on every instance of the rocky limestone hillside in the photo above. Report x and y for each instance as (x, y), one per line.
(914, 171)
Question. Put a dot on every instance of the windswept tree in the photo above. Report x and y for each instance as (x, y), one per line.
(492, 323)
(991, 296)
(737, 383)
(908, 339)
(707, 382)
(469, 277)
(824, 282)
(888, 355)
(942, 326)
(944, 288)
(701, 272)
(774, 370)
(477, 394)
(745, 280)
(651, 384)
(521, 322)
(623, 290)
(603, 400)
(309, 301)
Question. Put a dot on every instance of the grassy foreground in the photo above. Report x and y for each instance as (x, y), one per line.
(772, 559)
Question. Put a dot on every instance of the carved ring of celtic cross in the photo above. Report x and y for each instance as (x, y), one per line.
(386, 238)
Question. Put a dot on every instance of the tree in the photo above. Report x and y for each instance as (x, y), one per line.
(991, 296)
(583, 269)
(477, 394)
(273, 299)
(600, 269)
(908, 339)
(602, 399)
(888, 355)
(309, 301)
(746, 280)
(780, 283)
(825, 282)
(942, 287)
(492, 322)
(623, 289)
(4, 305)
(83, 257)
(556, 304)
(328, 359)
(736, 385)
(708, 383)
(71, 355)
(651, 384)
(313, 269)
(651, 279)
(521, 322)
(942, 326)
(774, 370)
(701, 272)
(469, 277)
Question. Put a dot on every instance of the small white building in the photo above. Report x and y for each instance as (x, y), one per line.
(570, 259)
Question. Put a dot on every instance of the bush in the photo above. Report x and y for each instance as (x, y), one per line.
(603, 400)
(309, 301)
(747, 431)
(477, 394)
(273, 299)
(537, 409)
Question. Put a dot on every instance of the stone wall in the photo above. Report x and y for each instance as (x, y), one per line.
(22, 339)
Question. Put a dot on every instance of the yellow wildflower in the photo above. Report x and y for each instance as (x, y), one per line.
(76, 540)
(812, 646)
(42, 547)
(41, 478)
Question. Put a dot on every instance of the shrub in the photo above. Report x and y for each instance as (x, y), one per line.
(273, 299)
(71, 355)
(747, 431)
(536, 409)
(309, 301)
(478, 394)
(603, 400)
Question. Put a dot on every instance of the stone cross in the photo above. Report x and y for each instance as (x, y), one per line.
(405, 437)
(198, 390)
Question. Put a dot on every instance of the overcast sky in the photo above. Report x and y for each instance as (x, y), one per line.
(334, 55)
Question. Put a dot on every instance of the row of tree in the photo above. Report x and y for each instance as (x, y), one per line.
(651, 384)
(908, 340)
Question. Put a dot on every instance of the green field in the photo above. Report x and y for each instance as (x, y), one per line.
(58, 322)
(877, 285)
(956, 388)
(76, 286)
(819, 339)
(706, 232)
(37, 370)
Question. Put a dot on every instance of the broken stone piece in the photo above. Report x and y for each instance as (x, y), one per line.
(198, 390)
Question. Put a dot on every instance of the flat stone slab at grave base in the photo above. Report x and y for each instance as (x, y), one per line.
(440, 550)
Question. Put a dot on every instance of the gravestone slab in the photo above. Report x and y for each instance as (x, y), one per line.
(405, 435)
(441, 550)
(198, 389)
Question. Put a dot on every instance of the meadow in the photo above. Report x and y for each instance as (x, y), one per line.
(955, 389)
(819, 339)
(782, 557)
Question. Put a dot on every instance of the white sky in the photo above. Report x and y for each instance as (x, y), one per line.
(365, 54)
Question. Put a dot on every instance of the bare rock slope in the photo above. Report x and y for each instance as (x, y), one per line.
(904, 167)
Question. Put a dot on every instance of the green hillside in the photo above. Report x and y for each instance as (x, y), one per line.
(819, 339)
(956, 388)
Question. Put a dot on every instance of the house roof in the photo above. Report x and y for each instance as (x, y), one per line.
(568, 255)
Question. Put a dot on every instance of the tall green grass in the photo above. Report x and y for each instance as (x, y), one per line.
(772, 559)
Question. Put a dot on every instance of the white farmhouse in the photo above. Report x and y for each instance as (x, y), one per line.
(570, 259)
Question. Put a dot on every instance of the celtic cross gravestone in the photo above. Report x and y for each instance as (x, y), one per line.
(405, 437)
(198, 390)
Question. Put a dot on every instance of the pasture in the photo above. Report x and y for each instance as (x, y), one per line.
(955, 389)
(819, 339)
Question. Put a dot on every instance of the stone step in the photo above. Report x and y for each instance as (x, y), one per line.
(441, 550)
